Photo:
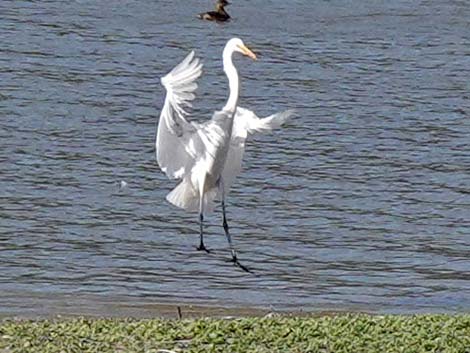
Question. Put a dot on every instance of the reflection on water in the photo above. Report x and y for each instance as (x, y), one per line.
(360, 202)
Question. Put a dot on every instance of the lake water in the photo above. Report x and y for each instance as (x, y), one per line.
(361, 202)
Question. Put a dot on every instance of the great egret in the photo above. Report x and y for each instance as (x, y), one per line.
(206, 157)
(219, 15)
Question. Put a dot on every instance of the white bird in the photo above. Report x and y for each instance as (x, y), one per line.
(206, 157)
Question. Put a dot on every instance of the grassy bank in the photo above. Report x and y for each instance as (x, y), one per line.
(342, 333)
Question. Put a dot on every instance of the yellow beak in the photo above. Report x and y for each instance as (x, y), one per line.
(247, 52)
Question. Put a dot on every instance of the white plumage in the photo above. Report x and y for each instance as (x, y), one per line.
(206, 157)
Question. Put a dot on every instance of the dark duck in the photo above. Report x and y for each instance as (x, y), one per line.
(219, 15)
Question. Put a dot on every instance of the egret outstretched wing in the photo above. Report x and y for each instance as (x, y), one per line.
(175, 144)
(246, 123)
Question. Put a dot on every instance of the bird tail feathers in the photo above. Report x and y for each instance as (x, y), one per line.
(185, 196)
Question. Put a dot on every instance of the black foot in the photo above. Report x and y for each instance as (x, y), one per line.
(201, 247)
(237, 263)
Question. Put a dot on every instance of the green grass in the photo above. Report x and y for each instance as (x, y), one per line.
(343, 333)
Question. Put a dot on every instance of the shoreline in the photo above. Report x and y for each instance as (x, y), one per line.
(45, 306)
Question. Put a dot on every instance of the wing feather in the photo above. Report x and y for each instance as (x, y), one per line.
(175, 135)
(246, 123)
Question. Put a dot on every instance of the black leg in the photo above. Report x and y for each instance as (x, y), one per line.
(201, 219)
(227, 233)
(201, 236)
(229, 239)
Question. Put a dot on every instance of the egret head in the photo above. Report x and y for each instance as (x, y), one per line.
(237, 45)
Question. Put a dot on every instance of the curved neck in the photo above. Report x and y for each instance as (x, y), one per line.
(233, 82)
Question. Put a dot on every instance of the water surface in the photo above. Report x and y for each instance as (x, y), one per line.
(361, 202)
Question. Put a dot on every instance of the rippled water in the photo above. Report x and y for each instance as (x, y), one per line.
(361, 202)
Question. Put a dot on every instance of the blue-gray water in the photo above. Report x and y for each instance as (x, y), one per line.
(362, 202)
